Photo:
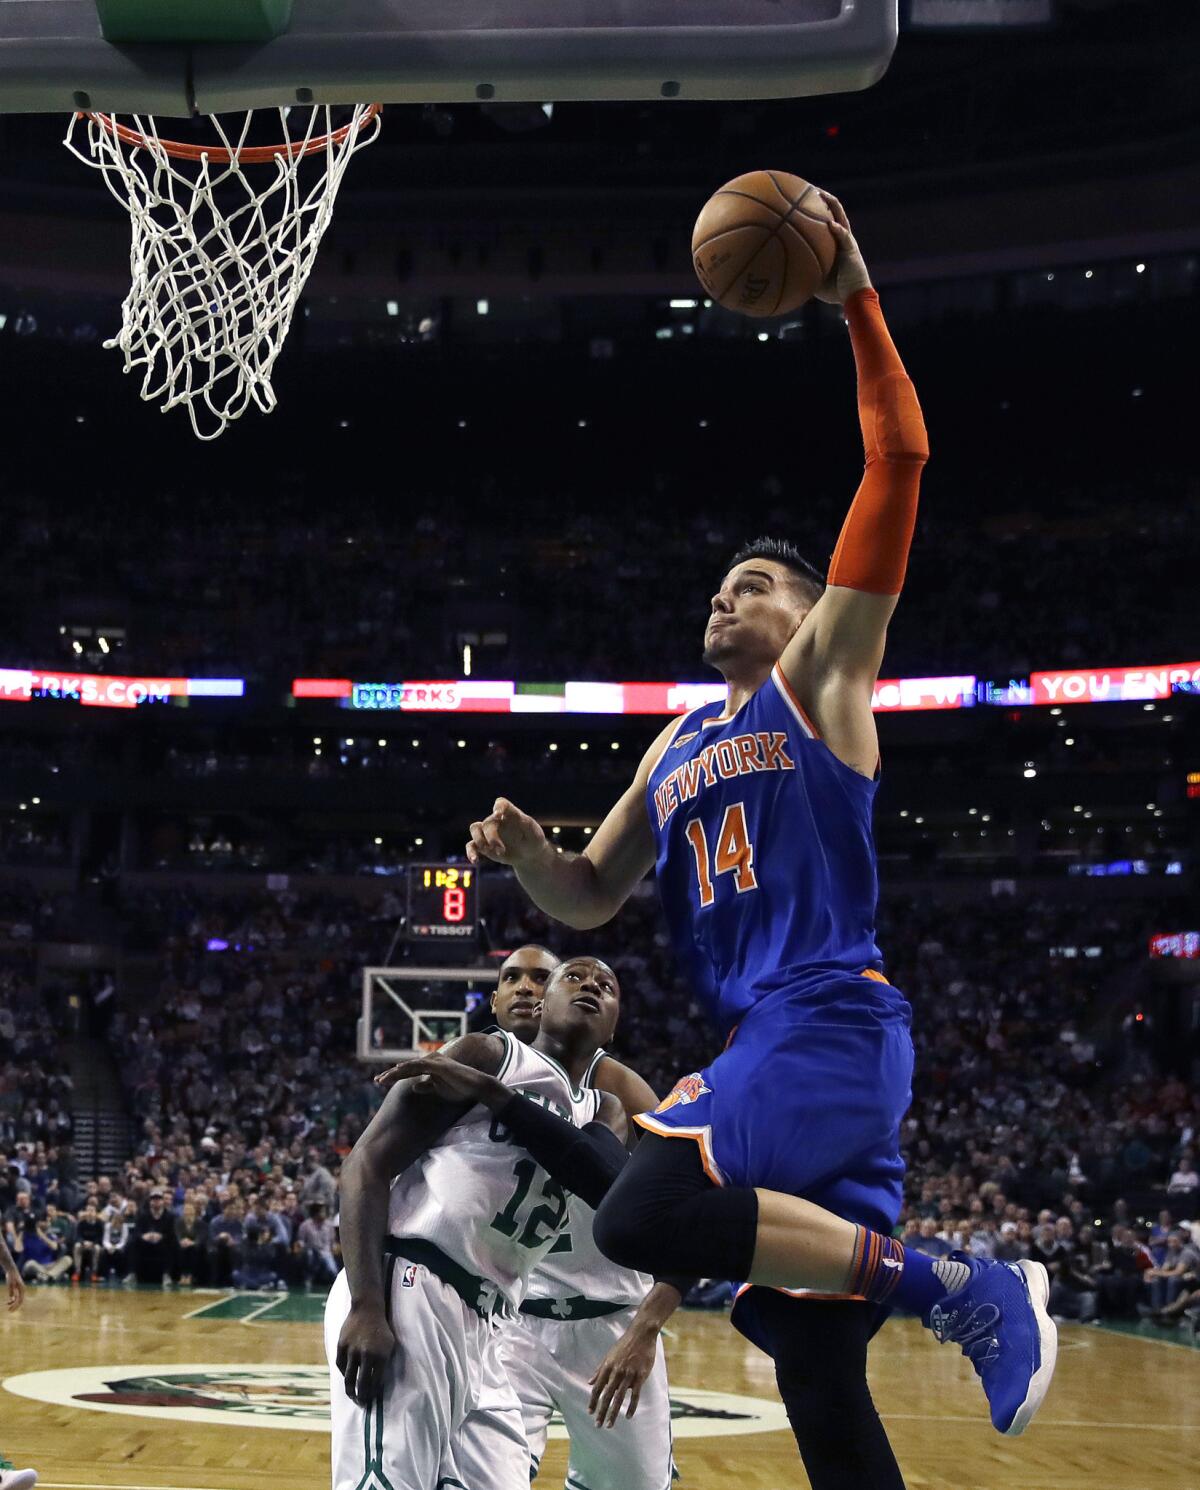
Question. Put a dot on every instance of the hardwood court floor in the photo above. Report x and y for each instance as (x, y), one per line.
(1124, 1413)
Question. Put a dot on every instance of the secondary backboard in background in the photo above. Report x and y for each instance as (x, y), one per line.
(54, 56)
(411, 1009)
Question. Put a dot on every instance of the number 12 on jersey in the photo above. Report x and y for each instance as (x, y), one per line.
(734, 854)
(509, 1221)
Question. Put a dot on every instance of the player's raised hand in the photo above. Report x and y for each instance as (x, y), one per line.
(849, 273)
(622, 1373)
(365, 1346)
(506, 836)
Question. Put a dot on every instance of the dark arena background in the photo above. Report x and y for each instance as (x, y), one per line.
(253, 691)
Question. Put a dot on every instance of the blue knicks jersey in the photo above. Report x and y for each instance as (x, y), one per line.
(766, 862)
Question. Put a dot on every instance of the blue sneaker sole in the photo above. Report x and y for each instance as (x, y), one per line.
(1037, 1285)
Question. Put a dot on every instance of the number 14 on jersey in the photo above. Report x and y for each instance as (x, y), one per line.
(734, 853)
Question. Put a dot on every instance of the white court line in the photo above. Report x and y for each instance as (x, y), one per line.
(73, 1328)
(70, 1327)
(254, 1313)
(928, 1417)
(117, 1485)
(219, 1296)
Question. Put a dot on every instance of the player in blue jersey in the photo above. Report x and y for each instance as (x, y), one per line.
(757, 817)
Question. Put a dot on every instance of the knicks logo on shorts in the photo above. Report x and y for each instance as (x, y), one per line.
(685, 1090)
(409, 1277)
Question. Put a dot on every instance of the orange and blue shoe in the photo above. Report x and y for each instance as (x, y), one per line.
(1000, 1321)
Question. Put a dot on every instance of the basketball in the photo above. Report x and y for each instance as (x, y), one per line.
(761, 245)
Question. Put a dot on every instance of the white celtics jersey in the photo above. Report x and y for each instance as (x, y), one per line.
(575, 1267)
(478, 1196)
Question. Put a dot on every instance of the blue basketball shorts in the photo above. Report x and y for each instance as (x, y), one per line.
(807, 1098)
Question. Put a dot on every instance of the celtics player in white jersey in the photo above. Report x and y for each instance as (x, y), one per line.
(450, 1199)
(588, 1334)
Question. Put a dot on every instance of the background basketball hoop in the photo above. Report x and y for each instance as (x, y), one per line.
(225, 231)
(224, 239)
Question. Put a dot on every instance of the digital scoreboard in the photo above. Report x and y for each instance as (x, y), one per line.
(443, 903)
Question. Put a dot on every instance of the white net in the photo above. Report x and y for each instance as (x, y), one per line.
(224, 239)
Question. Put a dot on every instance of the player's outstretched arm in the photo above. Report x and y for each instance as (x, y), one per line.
(411, 1119)
(624, 1370)
(833, 660)
(584, 1160)
(12, 1276)
(582, 890)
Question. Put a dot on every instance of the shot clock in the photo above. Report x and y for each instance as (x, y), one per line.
(443, 903)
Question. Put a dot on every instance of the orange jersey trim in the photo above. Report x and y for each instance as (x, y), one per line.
(803, 1293)
(662, 755)
(699, 1136)
(789, 694)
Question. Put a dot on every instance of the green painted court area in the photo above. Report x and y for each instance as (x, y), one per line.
(264, 1308)
(1142, 1329)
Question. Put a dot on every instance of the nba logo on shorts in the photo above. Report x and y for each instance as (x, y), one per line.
(685, 1090)
(409, 1278)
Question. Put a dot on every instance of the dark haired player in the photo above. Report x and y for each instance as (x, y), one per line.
(516, 999)
(758, 819)
(587, 1332)
(516, 1005)
(450, 1199)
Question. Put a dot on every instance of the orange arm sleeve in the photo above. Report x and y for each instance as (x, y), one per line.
(872, 551)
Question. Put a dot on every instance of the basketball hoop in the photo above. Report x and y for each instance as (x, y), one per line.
(219, 259)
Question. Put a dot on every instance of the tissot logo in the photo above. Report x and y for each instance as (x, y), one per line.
(297, 1397)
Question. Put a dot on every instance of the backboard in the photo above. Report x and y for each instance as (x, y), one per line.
(410, 1009)
(54, 55)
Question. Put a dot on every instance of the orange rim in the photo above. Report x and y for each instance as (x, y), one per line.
(251, 155)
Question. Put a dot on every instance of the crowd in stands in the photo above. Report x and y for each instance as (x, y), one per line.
(35, 1086)
(236, 588)
(1041, 1125)
(263, 1223)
